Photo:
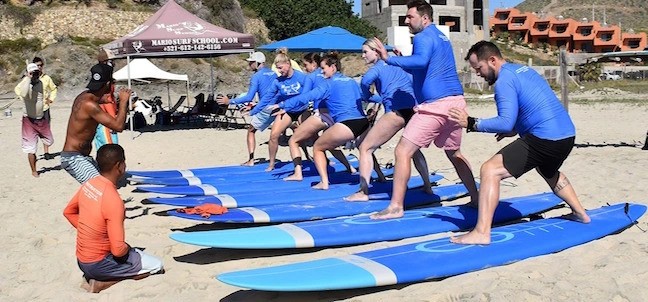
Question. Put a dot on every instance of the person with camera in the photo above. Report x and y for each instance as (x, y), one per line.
(49, 94)
(34, 123)
(84, 118)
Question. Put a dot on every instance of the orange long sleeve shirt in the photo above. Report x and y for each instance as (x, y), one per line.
(97, 212)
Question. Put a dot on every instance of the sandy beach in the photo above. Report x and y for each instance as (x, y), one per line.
(38, 261)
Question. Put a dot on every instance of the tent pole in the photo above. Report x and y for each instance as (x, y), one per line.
(168, 95)
(130, 100)
(211, 69)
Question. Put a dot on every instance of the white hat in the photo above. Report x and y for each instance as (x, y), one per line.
(32, 67)
(257, 56)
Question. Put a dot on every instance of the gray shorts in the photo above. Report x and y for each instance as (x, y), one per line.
(262, 120)
(81, 167)
(108, 269)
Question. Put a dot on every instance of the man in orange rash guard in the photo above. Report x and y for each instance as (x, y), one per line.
(97, 212)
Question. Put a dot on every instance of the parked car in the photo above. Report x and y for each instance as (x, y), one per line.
(606, 75)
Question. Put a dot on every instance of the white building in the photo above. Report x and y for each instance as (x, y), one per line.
(465, 19)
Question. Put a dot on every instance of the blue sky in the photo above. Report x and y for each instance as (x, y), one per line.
(493, 4)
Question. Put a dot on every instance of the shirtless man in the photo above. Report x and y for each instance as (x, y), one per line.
(84, 118)
(527, 106)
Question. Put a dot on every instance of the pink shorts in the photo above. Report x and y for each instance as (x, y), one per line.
(32, 129)
(430, 122)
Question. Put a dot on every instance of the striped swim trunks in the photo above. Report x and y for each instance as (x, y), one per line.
(80, 166)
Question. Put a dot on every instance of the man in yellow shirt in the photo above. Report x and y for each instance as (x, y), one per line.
(49, 93)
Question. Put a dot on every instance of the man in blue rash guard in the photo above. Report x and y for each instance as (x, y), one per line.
(527, 106)
(260, 83)
(437, 89)
(344, 101)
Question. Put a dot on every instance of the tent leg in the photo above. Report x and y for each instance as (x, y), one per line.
(130, 101)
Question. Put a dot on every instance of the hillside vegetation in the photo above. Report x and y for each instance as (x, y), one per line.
(630, 14)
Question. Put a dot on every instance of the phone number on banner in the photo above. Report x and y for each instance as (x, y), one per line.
(192, 47)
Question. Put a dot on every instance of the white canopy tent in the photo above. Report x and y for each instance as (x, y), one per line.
(141, 69)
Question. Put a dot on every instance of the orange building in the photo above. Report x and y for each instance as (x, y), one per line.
(575, 36)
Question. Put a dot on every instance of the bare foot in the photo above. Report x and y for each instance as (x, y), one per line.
(269, 168)
(97, 286)
(84, 284)
(320, 186)
(35, 174)
(473, 237)
(427, 190)
(388, 213)
(293, 178)
(248, 163)
(579, 217)
(357, 196)
(352, 170)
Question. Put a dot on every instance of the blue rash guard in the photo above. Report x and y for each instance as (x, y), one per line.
(432, 65)
(342, 97)
(284, 88)
(393, 84)
(260, 83)
(317, 78)
(526, 103)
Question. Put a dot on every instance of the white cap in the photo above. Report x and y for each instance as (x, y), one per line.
(32, 67)
(257, 56)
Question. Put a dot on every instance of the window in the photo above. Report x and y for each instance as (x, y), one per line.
(397, 2)
(634, 43)
(518, 21)
(438, 2)
(606, 36)
(401, 21)
(542, 26)
(502, 17)
(561, 28)
(453, 22)
(586, 31)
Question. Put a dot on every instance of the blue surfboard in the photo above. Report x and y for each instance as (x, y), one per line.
(232, 169)
(261, 186)
(201, 178)
(439, 258)
(254, 199)
(362, 229)
(320, 209)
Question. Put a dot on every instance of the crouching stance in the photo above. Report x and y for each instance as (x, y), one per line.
(97, 212)
(527, 106)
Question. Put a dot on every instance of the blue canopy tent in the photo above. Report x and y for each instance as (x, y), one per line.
(323, 39)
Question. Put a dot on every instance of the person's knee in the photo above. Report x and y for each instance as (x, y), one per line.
(403, 151)
(490, 168)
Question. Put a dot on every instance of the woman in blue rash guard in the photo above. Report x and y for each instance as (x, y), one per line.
(394, 86)
(289, 84)
(343, 99)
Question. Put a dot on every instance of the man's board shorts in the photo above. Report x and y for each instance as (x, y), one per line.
(108, 269)
(357, 126)
(32, 129)
(529, 152)
(262, 120)
(104, 136)
(46, 115)
(80, 166)
(430, 123)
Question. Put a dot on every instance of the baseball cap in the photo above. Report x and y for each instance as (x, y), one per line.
(100, 74)
(32, 67)
(257, 56)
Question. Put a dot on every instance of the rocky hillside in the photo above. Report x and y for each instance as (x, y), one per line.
(630, 14)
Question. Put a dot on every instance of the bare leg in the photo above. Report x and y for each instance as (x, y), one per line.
(462, 167)
(563, 189)
(306, 130)
(251, 145)
(491, 173)
(421, 166)
(280, 125)
(331, 138)
(31, 157)
(383, 130)
(404, 152)
(339, 155)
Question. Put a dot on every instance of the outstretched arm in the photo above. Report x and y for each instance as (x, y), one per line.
(421, 54)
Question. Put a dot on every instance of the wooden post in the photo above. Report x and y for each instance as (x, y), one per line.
(564, 91)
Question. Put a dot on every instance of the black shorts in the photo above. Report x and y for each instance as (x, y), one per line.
(406, 114)
(357, 126)
(531, 152)
(294, 116)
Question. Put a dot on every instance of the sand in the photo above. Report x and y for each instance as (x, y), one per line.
(38, 261)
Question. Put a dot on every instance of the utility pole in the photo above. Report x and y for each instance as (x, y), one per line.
(564, 91)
